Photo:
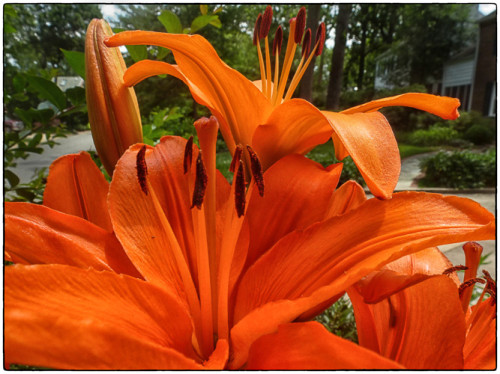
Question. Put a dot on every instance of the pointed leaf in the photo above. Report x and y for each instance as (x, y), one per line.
(76, 60)
(48, 90)
(170, 21)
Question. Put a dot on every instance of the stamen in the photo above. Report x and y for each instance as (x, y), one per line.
(188, 154)
(236, 158)
(306, 45)
(320, 38)
(256, 29)
(277, 41)
(267, 19)
(256, 167)
(454, 268)
(142, 169)
(300, 25)
(200, 184)
(239, 190)
(469, 283)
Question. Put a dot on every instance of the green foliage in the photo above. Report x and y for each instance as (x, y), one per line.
(407, 150)
(339, 319)
(76, 60)
(459, 169)
(167, 121)
(480, 134)
(435, 135)
(31, 192)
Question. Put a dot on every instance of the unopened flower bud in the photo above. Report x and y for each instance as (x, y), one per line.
(113, 110)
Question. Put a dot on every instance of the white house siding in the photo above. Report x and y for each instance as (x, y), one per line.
(457, 81)
(458, 73)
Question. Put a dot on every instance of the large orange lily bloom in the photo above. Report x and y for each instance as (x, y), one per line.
(412, 313)
(261, 115)
(221, 273)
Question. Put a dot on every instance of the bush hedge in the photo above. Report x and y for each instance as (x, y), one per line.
(459, 169)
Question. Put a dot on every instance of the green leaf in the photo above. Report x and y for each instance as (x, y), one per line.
(19, 82)
(11, 177)
(138, 52)
(162, 53)
(171, 22)
(216, 22)
(219, 9)
(48, 90)
(35, 140)
(201, 21)
(76, 95)
(76, 60)
(203, 9)
(9, 29)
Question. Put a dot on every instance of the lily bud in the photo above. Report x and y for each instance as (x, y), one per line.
(113, 110)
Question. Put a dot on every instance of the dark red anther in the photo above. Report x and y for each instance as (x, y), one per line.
(267, 19)
(239, 190)
(454, 268)
(277, 41)
(469, 283)
(200, 184)
(320, 39)
(300, 24)
(256, 167)
(188, 154)
(142, 169)
(236, 158)
(256, 29)
(306, 45)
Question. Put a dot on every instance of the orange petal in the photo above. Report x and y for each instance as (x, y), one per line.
(405, 272)
(76, 186)
(148, 68)
(218, 359)
(442, 106)
(480, 343)
(240, 107)
(309, 346)
(306, 268)
(136, 221)
(296, 189)
(68, 318)
(369, 139)
(346, 198)
(35, 234)
(421, 327)
(295, 126)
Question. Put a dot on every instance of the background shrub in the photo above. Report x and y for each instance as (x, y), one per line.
(460, 170)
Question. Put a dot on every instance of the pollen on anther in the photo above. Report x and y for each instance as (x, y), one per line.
(236, 158)
(277, 41)
(300, 25)
(320, 39)
(256, 30)
(256, 167)
(188, 154)
(142, 169)
(454, 268)
(469, 283)
(267, 19)
(239, 190)
(200, 184)
(306, 45)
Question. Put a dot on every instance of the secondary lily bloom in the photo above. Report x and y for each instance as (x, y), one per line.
(114, 115)
(411, 312)
(203, 274)
(261, 114)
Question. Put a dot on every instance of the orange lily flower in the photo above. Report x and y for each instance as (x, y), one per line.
(113, 110)
(411, 312)
(222, 270)
(261, 114)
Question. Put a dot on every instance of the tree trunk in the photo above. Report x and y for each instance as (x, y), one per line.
(306, 83)
(335, 83)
